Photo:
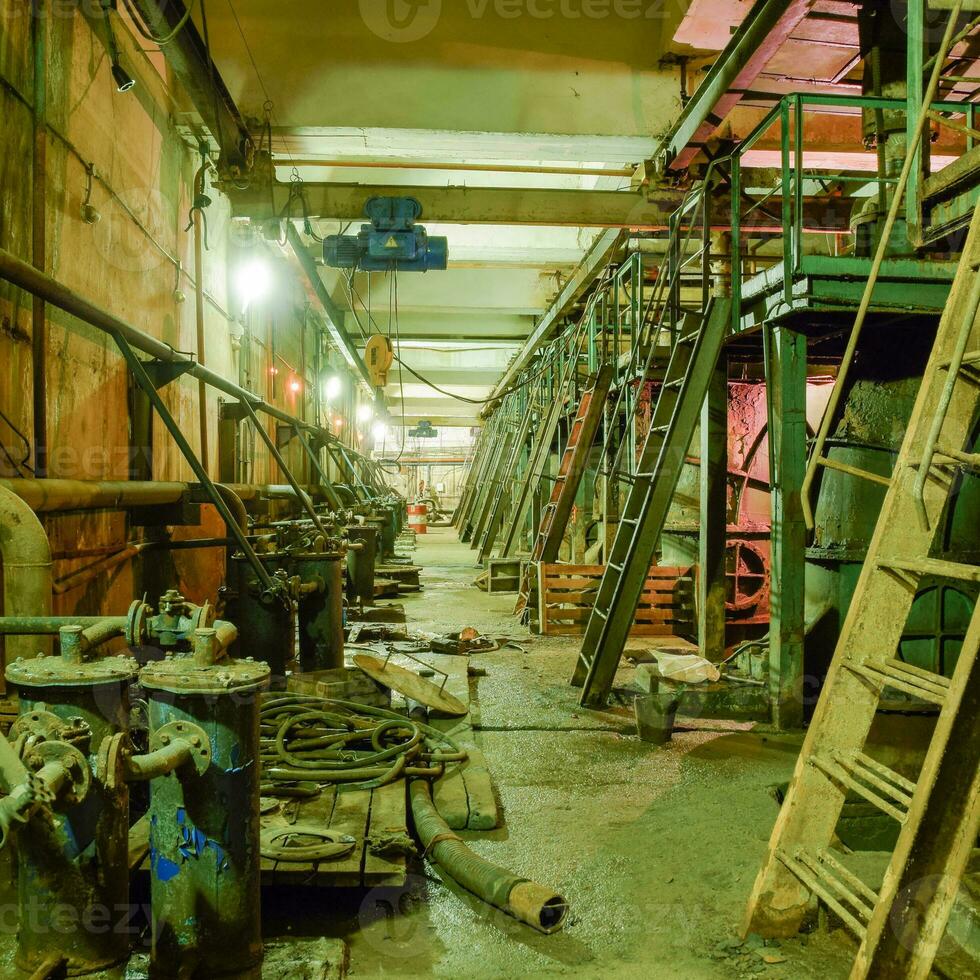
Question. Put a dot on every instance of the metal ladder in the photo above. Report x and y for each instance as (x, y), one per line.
(504, 487)
(493, 480)
(899, 926)
(541, 449)
(556, 515)
(674, 421)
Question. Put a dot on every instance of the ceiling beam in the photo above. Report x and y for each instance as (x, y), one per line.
(469, 205)
(446, 421)
(188, 58)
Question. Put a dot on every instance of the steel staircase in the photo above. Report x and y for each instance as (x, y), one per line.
(696, 347)
(899, 926)
(557, 513)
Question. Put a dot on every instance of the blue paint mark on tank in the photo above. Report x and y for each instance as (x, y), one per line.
(165, 869)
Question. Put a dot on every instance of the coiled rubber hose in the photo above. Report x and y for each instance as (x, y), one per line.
(540, 907)
(308, 739)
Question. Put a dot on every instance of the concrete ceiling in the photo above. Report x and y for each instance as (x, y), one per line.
(419, 92)
(566, 85)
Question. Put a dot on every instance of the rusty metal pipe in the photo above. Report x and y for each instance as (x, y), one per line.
(26, 558)
(161, 762)
(48, 496)
(14, 270)
(44, 496)
(43, 625)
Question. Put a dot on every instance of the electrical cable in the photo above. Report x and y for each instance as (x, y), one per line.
(23, 464)
(352, 293)
(146, 31)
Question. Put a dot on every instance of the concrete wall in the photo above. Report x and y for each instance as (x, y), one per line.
(128, 263)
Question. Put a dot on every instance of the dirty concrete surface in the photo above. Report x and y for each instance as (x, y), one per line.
(655, 849)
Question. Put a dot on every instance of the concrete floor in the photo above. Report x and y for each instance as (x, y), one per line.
(655, 849)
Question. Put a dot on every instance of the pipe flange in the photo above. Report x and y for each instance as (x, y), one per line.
(304, 843)
(137, 630)
(110, 765)
(40, 724)
(188, 732)
(202, 617)
(76, 768)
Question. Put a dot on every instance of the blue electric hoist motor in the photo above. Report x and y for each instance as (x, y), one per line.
(391, 241)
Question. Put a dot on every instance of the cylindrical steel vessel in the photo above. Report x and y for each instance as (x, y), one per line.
(75, 862)
(361, 559)
(204, 826)
(321, 610)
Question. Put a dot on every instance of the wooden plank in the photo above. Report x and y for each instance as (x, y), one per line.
(484, 811)
(317, 812)
(451, 800)
(467, 790)
(567, 593)
(449, 792)
(388, 819)
(351, 811)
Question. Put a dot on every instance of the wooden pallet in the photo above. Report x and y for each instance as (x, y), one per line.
(567, 594)
(368, 816)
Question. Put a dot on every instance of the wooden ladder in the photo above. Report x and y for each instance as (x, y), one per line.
(899, 926)
(556, 515)
(672, 426)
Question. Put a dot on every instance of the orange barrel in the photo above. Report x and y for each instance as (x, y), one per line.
(418, 518)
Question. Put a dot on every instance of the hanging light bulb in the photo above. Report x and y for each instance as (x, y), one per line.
(365, 412)
(332, 387)
(379, 431)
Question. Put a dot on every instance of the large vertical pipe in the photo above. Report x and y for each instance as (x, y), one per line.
(39, 338)
(787, 389)
(26, 559)
(202, 387)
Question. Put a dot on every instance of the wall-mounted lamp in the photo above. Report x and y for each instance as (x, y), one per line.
(253, 281)
(124, 81)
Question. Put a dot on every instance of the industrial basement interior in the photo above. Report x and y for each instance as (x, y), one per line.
(489, 489)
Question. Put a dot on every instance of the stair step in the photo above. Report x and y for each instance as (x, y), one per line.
(904, 677)
(880, 786)
(970, 357)
(956, 456)
(833, 464)
(933, 566)
(830, 881)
